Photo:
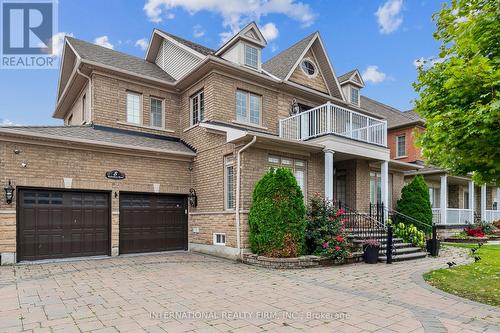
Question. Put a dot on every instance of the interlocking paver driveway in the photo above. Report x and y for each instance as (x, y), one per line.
(179, 292)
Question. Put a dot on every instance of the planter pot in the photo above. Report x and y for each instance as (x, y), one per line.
(433, 246)
(371, 254)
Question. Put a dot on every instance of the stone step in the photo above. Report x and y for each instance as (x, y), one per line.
(381, 240)
(404, 250)
(404, 257)
(397, 245)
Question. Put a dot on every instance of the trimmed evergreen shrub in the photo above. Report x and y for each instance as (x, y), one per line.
(277, 215)
(415, 203)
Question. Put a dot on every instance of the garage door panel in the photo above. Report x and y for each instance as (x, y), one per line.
(147, 220)
(55, 224)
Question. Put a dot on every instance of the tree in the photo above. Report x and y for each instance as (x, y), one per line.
(458, 91)
(415, 203)
(277, 215)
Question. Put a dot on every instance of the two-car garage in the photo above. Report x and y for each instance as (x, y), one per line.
(57, 223)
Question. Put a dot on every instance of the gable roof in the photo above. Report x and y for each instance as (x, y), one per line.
(352, 76)
(255, 37)
(195, 46)
(100, 135)
(394, 117)
(102, 55)
(282, 64)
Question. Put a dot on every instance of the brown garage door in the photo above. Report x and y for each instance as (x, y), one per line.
(152, 222)
(61, 224)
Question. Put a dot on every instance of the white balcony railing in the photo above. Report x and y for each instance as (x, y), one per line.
(333, 119)
(491, 215)
(453, 216)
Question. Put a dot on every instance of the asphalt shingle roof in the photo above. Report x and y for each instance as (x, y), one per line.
(105, 56)
(394, 117)
(100, 134)
(281, 64)
(346, 76)
(197, 47)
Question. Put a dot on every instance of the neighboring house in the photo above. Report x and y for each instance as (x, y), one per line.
(455, 200)
(186, 119)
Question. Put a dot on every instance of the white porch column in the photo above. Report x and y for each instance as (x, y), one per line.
(472, 199)
(498, 198)
(444, 198)
(483, 202)
(384, 180)
(329, 160)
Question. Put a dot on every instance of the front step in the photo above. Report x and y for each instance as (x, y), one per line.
(404, 257)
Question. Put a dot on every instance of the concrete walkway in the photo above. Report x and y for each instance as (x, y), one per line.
(179, 292)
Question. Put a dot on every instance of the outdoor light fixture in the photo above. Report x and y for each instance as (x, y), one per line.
(9, 193)
(192, 198)
(294, 108)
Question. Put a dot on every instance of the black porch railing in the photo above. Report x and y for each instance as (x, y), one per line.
(366, 226)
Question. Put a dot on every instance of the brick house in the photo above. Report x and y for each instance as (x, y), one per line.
(455, 200)
(140, 135)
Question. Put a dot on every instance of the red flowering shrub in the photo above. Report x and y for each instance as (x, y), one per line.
(325, 233)
(475, 232)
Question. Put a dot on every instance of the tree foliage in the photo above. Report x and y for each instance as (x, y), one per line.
(277, 215)
(415, 203)
(458, 91)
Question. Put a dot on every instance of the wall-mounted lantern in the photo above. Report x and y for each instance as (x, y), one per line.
(192, 198)
(294, 108)
(9, 193)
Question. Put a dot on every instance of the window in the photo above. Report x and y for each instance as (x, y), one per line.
(340, 186)
(84, 108)
(354, 96)
(400, 146)
(251, 56)
(435, 197)
(376, 188)
(298, 168)
(248, 107)
(220, 239)
(197, 107)
(308, 67)
(466, 200)
(133, 108)
(229, 202)
(156, 116)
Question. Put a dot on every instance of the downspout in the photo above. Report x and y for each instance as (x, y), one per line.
(238, 190)
(91, 106)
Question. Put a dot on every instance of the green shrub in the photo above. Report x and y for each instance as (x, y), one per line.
(277, 215)
(415, 203)
(325, 230)
(410, 234)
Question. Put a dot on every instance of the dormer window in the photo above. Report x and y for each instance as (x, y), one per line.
(354, 95)
(308, 67)
(251, 56)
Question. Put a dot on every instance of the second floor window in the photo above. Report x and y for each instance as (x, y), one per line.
(400, 146)
(156, 116)
(133, 108)
(248, 107)
(251, 56)
(197, 107)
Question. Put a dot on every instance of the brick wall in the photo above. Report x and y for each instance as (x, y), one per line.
(48, 165)
(413, 153)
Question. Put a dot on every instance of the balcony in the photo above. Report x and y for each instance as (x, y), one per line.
(453, 216)
(333, 119)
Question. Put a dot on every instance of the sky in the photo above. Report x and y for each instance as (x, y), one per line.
(381, 38)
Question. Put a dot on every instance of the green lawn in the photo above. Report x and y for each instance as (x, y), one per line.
(479, 281)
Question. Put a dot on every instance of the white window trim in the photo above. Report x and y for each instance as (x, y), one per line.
(191, 98)
(140, 108)
(228, 161)
(397, 146)
(244, 53)
(215, 238)
(292, 167)
(247, 108)
(316, 69)
(162, 100)
(350, 95)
